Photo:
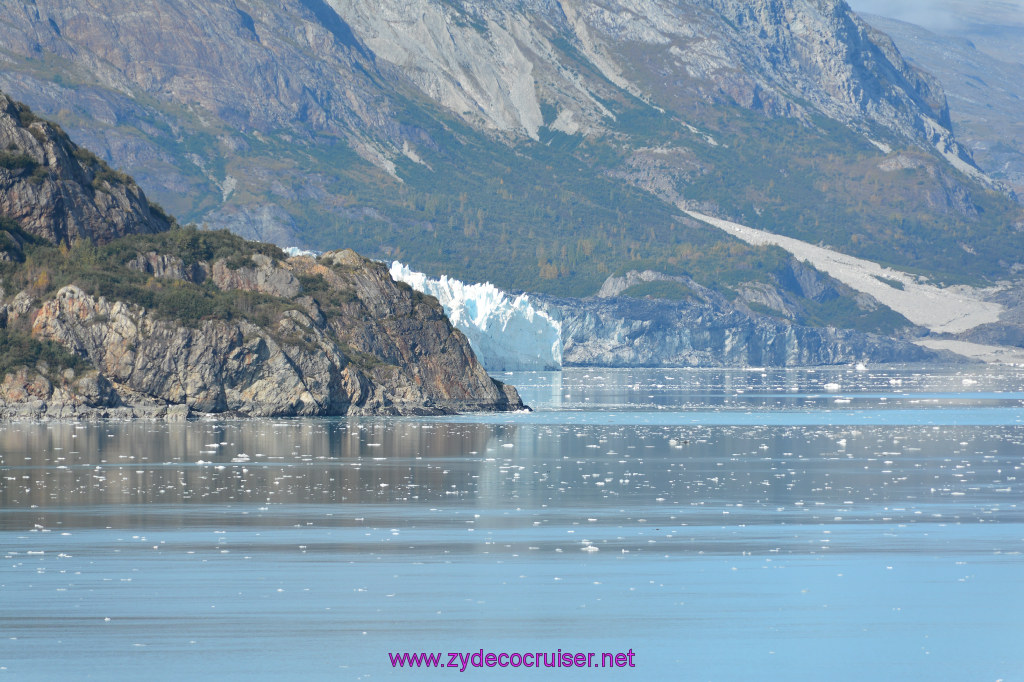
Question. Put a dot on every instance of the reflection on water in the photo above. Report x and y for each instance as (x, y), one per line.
(768, 473)
(745, 512)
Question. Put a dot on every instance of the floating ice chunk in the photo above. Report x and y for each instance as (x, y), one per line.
(505, 332)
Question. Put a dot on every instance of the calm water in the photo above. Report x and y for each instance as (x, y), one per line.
(724, 525)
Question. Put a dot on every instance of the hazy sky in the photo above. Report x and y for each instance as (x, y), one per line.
(945, 15)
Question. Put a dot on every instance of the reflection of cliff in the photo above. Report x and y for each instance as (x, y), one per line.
(438, 474)
(315, 462)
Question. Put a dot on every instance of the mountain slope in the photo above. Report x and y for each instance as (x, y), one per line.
(541, 145)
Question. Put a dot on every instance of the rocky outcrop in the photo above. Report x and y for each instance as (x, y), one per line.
(29, 394)
(497, 64)
(264, 278)
(197, 322)
(164, 266)
(58, 191)
(821, 52)
(384, 350)
(628, 332)
(791, 292)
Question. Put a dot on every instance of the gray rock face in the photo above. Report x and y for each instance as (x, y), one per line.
(392, 352)
(627, 332)
(55, 190)
(791, 290)
(168, 267)
(263, 278)
(497, 61)
(492, 62)
(309, 71)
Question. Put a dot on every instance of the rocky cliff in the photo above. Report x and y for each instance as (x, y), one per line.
(351, 341)
(647, 318)
(651, 319)
(60, 192)
(627, 332)
(973, 48)
(108, 308)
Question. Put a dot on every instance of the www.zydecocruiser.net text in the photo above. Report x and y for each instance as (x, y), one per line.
(463, 660)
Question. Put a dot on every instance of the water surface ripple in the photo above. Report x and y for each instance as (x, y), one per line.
(725, 525)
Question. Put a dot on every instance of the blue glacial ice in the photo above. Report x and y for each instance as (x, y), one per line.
(507, 333)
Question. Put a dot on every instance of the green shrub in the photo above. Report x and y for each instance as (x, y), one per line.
(26, 115)
(108, 176)
(666, 289)
(762, 309)
(19, 349)
(12, 237)
(894, 283)
(39, 175)
(159, 211)
(17, 161)
(85, 156)
(192, 246)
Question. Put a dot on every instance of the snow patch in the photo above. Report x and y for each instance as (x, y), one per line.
(707, 138)
(411, 154)
(227, 187)
(944, 147)
(565, 123)
(373, 154)
(886, 149)
(506, 333)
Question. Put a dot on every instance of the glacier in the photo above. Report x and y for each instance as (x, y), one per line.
(292, 251)
(507, 333)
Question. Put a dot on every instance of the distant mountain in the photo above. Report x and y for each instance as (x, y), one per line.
(541, 145)
(976, 51)
(994, 27)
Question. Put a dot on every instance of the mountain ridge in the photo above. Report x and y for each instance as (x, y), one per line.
(540, 145)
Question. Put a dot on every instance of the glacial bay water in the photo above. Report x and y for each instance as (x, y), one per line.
(723, 525)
